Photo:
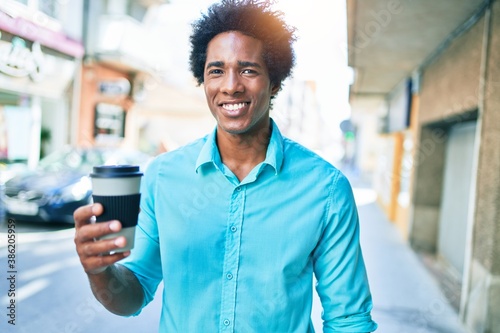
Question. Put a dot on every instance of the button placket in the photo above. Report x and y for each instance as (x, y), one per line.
(231, 259)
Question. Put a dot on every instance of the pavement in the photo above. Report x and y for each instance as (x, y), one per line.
(406, 295)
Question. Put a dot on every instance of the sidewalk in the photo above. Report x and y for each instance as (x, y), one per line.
(406, 297)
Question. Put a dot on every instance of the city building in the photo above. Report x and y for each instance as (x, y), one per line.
(40, 53)
(426, 74)
(131, 92)
(120, 54)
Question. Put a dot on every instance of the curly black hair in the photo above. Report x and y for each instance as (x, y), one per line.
(250, 17)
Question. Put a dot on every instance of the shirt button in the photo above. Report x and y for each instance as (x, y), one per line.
(238, 189)
(233, 228)
(229, 276)
(226, 322)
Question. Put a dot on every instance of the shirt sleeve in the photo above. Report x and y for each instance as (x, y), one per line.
(145, 260)
(339, 267)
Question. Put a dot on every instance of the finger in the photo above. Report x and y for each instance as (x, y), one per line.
(100, 247)
(97, 264)
(82, 215)
(90, 232)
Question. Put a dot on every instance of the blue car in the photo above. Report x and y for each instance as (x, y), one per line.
(61, 183)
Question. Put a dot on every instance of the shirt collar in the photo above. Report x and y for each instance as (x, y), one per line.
(209, 153)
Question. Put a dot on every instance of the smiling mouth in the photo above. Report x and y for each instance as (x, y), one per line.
(234, 106)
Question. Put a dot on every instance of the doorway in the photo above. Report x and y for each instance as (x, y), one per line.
(458, 173)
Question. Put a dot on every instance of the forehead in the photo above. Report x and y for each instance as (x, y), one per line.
(234, 45)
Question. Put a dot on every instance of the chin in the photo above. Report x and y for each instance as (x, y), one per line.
(239, 127)
(234, 127)
(234, 131)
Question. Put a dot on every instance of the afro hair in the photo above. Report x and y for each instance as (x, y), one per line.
(250, 17)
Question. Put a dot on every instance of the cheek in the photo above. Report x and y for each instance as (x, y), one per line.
(208, 89)
(265, 96)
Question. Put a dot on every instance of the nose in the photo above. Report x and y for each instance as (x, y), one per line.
(232, 84)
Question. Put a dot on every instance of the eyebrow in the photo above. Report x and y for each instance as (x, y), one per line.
(215, 64)
(249, 64)
(240, 63)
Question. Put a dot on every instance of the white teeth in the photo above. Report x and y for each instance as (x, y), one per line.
(232, 107)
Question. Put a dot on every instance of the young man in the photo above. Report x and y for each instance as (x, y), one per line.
(236, 224)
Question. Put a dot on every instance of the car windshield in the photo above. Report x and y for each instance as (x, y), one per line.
(71, 159)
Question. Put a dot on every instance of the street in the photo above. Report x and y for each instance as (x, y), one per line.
(51, 290)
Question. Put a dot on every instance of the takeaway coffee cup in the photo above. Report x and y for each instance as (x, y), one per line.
(117, 188)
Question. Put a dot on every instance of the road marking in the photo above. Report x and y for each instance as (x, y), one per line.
(48, 269)
(33, 237)
(27, 291)
(52, 248)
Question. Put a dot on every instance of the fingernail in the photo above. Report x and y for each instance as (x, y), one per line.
(114, 226)
(96, 208)
(120, 241)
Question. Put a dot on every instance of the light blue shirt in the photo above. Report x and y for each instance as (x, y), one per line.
(240, 256)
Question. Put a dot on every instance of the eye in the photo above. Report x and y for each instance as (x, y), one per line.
(249, 71)
(215, 71)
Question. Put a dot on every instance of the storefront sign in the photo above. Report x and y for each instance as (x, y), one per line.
(117, 87)
(17, 60)
(49, 38)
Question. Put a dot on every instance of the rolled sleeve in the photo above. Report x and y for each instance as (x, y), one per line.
(339, 267)
(145, 260)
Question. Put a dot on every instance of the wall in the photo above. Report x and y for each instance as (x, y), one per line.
(485, 266)
(460, 85)
(450, 85)
(427, 189)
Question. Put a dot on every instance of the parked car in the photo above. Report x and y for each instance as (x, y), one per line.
(9, 170)
(61, 183)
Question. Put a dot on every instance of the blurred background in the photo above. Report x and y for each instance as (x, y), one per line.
(403, 96)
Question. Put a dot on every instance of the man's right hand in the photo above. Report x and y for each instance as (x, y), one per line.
(94, 254)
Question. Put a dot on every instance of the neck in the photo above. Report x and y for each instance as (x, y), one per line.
(242, 152)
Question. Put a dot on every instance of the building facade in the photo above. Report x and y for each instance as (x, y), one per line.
(131, 94)
(118, 56)
(38, 62)
(429, 73)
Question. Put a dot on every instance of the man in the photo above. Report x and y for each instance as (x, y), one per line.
(236, 223)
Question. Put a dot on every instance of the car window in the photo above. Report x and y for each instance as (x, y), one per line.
(73, 160)
(93, 158)
(55, 161)
(70, 159)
